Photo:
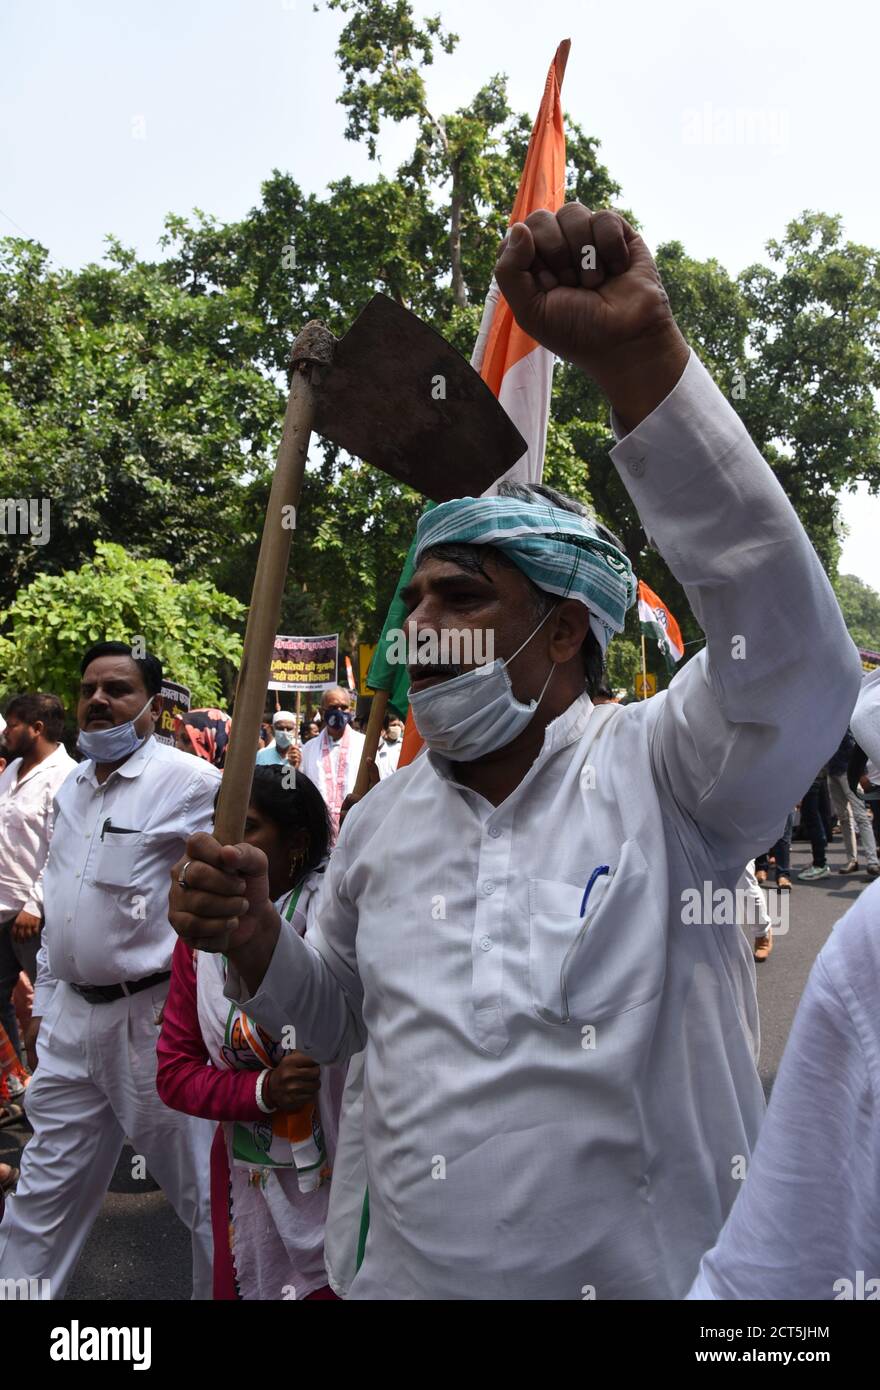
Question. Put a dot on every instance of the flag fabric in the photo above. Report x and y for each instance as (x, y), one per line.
(656, 621)
(515, 367)
(393, 676)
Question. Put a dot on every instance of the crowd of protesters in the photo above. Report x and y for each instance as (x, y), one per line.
(488, 1030)
(102, 1099)
(247, 1162)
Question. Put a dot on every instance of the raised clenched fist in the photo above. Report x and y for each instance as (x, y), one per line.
(585, 286)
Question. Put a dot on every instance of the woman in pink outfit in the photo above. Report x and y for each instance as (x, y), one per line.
(278, 1112)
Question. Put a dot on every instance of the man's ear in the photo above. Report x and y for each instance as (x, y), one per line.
(156, 708)
(568, 630)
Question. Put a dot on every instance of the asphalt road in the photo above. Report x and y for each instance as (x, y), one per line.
(138, 1249)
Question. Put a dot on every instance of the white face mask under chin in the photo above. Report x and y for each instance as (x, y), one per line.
(471, 715)
(112, 745)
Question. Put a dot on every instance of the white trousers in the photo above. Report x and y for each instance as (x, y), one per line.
(94, 1087)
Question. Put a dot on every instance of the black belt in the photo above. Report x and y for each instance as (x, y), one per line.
(105, 994)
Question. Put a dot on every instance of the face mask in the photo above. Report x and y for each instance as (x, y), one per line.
(337, 718)
(393, 734)
(474, 714)
(283, 738)
(112, 745)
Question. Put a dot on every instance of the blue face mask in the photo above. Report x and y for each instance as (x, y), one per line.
(112, 745)
(337, 718)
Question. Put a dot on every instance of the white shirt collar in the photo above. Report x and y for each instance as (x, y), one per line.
(566, 728)
(44, 766)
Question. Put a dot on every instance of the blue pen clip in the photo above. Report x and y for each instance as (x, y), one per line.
(597, 873)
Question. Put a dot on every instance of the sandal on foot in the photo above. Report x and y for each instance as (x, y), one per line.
(763, 946)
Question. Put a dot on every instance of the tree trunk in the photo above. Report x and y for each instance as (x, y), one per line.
(459, 288)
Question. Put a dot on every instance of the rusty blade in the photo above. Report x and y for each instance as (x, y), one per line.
(401, 398)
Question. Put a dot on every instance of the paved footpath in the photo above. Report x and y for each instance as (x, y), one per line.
(139, 1250)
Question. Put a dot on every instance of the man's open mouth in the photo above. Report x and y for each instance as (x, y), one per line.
(420, 677)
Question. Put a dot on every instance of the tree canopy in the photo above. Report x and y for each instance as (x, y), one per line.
(145, 398)
(190, 626)
(860, 605)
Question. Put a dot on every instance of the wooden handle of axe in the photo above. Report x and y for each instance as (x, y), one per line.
(312, 350)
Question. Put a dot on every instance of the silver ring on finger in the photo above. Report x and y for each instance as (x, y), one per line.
(181, 877)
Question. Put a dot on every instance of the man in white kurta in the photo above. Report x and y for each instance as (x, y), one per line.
(557, 1106)
(332, 759)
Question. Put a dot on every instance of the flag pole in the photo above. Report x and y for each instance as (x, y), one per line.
(371, 741)
(644, 671)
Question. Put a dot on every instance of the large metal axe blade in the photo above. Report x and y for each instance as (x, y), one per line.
(393, 392)
(404, 400)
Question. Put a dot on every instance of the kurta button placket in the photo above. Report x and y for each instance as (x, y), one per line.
(488, 936)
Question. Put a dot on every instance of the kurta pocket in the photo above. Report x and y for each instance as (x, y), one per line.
(612, 960)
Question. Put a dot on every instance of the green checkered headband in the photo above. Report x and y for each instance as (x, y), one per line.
(560, 551)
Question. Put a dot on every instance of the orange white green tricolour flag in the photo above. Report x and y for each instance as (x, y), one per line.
(516, 368)
(656, 621)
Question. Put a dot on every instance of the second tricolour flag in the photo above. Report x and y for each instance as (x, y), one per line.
(656, 621)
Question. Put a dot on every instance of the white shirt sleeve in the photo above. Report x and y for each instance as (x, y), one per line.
(807, 1219)
(770, 695)
(44, 985)
(34, 903)
(313, 984)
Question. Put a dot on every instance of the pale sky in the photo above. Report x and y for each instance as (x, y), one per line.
(721, 121)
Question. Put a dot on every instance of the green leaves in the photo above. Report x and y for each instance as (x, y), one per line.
(145, 400)
(192, 627)
(813, 367)
(860, 605)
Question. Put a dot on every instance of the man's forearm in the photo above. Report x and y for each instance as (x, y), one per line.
(641, 375)
(288, 982)
(252, 959)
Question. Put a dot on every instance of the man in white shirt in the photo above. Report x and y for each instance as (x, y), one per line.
(38, 764)
(332, 759)
(806, 1225)
(559, 1062)
(388, 752)
(121, 820)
